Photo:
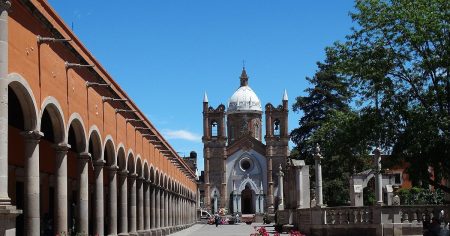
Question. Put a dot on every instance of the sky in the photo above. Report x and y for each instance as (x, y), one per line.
(167, 53)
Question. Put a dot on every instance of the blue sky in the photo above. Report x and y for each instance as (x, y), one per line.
(166, 54)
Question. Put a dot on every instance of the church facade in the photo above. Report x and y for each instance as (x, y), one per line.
(240, 169)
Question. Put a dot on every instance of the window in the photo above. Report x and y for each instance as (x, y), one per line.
(276, 128)
(398, 178)
(214, 128)
(256, 131)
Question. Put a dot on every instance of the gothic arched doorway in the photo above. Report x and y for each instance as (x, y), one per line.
(247, 201)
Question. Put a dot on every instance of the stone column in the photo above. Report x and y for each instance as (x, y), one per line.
(318, 157)
(4, 197)
(132, 210)
(299, 186)
(379, 176)
(161, 209)
(166, 208)
(61, 188)
(170, 208)
(239, 208)
(140, 203)
(152, 207)
(207, 199)
(123, 185)
(270, 199)
(99, 202)
(32, 182)
(83, 200)
(112, 200)
(280, 189)
(157, 207)
(147, 205)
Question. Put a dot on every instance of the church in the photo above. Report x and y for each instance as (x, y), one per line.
(240, 172)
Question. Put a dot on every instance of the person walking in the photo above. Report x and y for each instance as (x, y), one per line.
(216, 219)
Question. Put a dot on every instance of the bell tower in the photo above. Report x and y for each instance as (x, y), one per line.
(277, 143)
(214, 149)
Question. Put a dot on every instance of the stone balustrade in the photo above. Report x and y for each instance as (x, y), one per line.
(370, 220)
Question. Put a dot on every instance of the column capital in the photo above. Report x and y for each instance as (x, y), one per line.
(84, 156)
(99, 163)
(32, 135)
(61, 147)
(122, 172)
(5, 5)
(112, 168)
(132, 176)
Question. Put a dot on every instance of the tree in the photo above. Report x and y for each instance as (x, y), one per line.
(329, 121)
(397, 62)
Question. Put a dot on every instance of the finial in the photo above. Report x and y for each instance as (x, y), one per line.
(205, 97)
(243, 64)
(317, 149)
(244, 77)
(285, 95)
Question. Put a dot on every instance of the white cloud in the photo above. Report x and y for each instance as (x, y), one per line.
(182, 134)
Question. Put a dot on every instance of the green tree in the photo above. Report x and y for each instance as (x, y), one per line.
(397, 62)
(329, 121)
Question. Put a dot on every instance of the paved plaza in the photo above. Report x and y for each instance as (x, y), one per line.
(223, 230)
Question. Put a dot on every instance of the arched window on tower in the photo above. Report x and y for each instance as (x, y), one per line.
(256, 131)
(276, 127)
(214, 128)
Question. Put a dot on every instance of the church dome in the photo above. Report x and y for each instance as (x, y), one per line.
(244, 100)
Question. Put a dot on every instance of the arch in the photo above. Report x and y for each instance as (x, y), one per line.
(76, 126)
(152, 174)
(131, 164)
(56, 114)
(250, 183)
(157, 174)
(121, 158)
(139, 166)
(109, 153)
(164, 181)
(26, 99)
(95, 144)
(146, 171)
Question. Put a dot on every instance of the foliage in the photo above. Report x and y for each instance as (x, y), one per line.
(329, 121)
(387, 85)
(421, 196)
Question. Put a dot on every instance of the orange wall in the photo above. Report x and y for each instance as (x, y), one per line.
(42, 66)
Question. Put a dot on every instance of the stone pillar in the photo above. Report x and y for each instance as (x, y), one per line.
(270, 199)
(170, 208)
(83, 200)
(132, 209)
(152, 207)
(207, 199)
(4, 197)
(32, 182)
(379, 176)
(140, 204)
(147, 205)
(61, 188)
(318, 157)
(280, 189)
(299, 186)
(112, 200)
(239, 207)
(157, 207)
(123, 185)
(166, 209)
(99, 202)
